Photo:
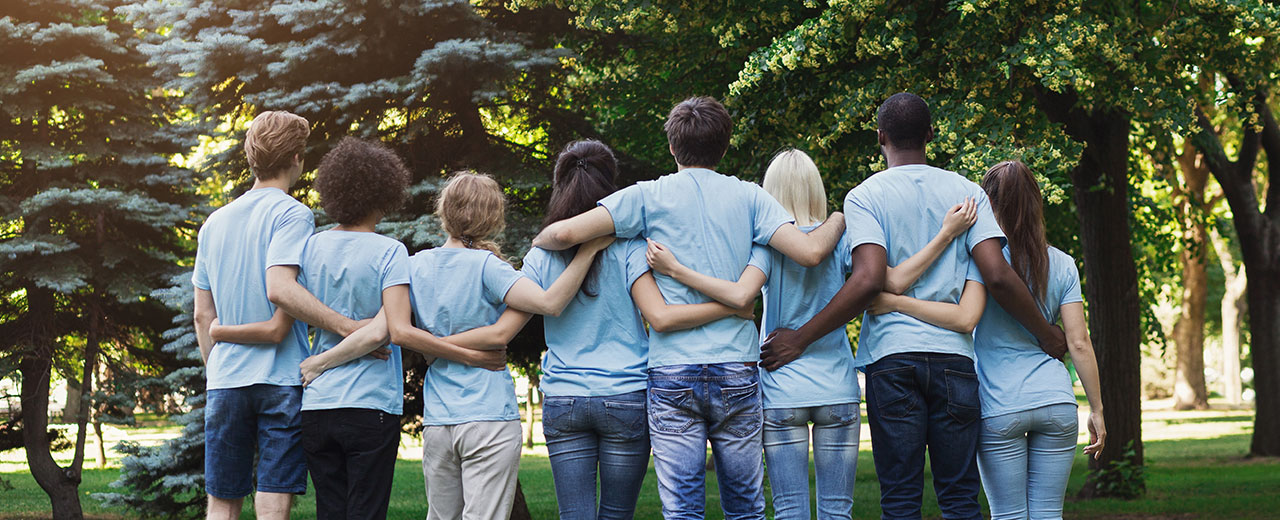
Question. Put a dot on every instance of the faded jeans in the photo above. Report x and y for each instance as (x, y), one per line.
(1025, 459)
(691, 404)
(604, 435)
(836, 429)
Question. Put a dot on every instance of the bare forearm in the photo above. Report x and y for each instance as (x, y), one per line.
(866, 281)
(670, 318)
(427, 344)
(732, 294)
(203, 339)
(902, 276)
(204, 312)
(361, 342)
(284, 290)
(492, 337)
(949, 316)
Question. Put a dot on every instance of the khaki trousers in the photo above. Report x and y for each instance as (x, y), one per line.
(470, 469)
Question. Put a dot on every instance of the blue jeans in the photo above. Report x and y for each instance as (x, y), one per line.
(916, 400)
(1025, 459)
(835, 458)
(691, 404)
(240, 421)
(586, 435)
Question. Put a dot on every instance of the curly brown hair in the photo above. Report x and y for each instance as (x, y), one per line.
(358, 178)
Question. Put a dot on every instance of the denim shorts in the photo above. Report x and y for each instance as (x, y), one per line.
(240, 421)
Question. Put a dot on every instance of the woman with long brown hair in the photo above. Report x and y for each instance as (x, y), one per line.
(1029, 416)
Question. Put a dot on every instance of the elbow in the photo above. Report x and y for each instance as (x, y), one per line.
(659, 323)
(397, 334)
(810, 258)
(967, 326)
(203, 317)
(1080, 347)
(278, 336)
(743, 300)
(275, 293)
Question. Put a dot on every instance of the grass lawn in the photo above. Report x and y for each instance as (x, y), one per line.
(1195, 470)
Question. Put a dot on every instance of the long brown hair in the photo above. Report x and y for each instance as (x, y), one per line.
(1019, 208)
(472, 209)
(585, 173)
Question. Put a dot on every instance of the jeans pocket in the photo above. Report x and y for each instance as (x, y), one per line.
(1065, 417)
(780, 417)
(669, 409)
(556, 414)
(1001, 425)
(742, 413)
(843, 414)
(962, 395)
(893, 390)
(626, 419)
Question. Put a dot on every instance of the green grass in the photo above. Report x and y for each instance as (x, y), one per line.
(1195, 469)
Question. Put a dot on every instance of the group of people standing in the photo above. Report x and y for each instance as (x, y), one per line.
(648, 294)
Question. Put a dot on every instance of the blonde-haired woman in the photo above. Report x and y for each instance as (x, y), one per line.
(820, 386)
(471, 438)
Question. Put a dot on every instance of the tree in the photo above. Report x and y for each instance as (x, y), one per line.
(168, 480)
(1238, 45)
(94, 214)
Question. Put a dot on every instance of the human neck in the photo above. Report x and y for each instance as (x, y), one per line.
(453, 242)
(365, 226)
(681, 167)
(280, 182)
(895, 157)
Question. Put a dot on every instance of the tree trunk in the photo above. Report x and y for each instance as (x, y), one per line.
(520, 509)
(1264, 324)
(72, 409)
(533, 389)
(1189, 391)
(36, 367)
(1232, 301)
(1111, 286)
(101, 443)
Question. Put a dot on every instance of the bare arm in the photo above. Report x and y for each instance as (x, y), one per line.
(526, 295)
(573, 231)
(809, 249)
(663, 317)
(396, 303)
(864, 283)
(1013, 296)
(958, 219)
(204, 316)
(737, 294)
(284, 290)
(492, 337)
(272, 331)
(958, 317)
(1082, 356)
(363, 341)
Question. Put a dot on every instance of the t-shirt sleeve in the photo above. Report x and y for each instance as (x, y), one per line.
(626, 207)
(986, 226)
(972, 273)
(767, 214)
(200, 275)
(861, 222)
(761, 258)
(534, 265)
(289, 236)
(395, 269)
(498, 277)
(636, 263)
(844, 254)
(1071, 281)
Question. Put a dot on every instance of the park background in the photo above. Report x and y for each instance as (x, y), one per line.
(1149, 124)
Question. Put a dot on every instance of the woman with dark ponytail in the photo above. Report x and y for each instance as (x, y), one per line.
(1029, 416)
(595, 369)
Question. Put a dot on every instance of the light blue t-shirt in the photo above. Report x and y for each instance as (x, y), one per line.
(1014, 374)
(347, 271)
(793, 294)
(598, 345)
(902, 209)
(455, 290)
(710, 222)
(237, 243)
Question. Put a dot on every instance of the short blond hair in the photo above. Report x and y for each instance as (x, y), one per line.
(273, 139)
(793, 179)
(472, 208)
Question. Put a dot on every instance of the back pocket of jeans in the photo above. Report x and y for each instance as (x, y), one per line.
(626, 418)
(893, 390)
(742, 416)
(669, 409)
(962, 395)
(556, 414)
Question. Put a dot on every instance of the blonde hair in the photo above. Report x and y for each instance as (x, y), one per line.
(471, 208)
(793, 179)
(273, 139)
